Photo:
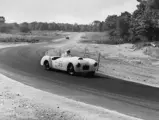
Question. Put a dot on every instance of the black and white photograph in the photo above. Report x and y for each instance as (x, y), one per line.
(79, 59)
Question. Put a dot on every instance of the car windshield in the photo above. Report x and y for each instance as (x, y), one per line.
(80, 58)
(55, 58)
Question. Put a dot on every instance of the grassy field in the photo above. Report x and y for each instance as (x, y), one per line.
(95, 37)
(100, 38)
(34, 37)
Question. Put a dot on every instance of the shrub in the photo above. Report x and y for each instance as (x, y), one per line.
(5, 28)
(24, 29)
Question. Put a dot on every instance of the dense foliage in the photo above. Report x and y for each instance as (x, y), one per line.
(141, 25)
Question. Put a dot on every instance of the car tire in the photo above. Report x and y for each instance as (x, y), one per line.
(70, 69)
(46, 65)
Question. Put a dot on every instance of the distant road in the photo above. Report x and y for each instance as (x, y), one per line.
(23, 64)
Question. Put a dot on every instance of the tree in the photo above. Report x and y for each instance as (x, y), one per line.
(24, 27)
(76, 27)
(2, 19)
(111, 21)
(123, 24)
(96, 25)
(154, 4)
(145, 21)
(33, 25)
(4, 28)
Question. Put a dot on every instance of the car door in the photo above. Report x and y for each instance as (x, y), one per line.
(57, 64)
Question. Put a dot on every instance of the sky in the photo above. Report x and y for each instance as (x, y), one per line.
(63, 11)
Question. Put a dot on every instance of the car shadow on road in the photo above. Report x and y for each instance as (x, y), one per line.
(79, 74)
(128, 88)
(111, 84)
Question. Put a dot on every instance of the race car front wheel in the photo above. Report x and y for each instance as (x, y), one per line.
(70, 69)
(46, 65)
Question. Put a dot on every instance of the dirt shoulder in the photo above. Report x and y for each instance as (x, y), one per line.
(20, 102)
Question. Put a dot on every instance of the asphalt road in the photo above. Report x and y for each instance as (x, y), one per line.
(23, 64)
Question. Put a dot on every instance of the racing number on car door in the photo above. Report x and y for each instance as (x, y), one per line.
(60, 64)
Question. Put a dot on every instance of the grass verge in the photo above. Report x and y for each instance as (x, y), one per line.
(33, 37)
(100, 38)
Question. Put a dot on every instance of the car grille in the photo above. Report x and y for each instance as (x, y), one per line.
(86, 67)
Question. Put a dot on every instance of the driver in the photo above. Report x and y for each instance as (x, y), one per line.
(67, 53)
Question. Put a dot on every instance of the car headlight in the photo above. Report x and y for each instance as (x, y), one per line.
(78, 65)
(95, 64)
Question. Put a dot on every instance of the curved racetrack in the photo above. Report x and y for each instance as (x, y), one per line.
(23, 64)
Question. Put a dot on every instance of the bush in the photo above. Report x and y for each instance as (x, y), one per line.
(5, 28)
(24, 29)
(17, 38)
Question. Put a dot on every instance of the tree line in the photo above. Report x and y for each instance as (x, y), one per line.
(44, 26)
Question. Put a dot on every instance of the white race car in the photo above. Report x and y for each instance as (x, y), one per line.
(72, 65)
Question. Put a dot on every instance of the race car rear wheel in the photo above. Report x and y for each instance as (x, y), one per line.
(46, 65)
(70, 69)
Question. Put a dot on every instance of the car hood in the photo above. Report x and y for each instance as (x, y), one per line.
(84, 62)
